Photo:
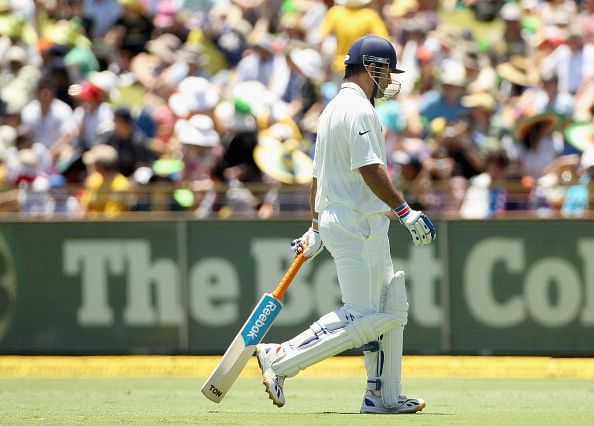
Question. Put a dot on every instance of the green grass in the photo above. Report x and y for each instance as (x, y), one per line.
(174, 401)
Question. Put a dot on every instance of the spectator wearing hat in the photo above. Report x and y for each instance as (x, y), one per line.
(537, 147)
(303, 90)
(106, 191)
(240, 138)
(445, 102)
(481, 107)
(201, 148)
(130, 143)
(18, 78)
(93, 116)
(512, 41)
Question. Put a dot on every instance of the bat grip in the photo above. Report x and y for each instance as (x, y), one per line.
(286, 280)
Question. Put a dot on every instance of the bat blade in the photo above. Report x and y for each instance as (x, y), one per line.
(241, 348)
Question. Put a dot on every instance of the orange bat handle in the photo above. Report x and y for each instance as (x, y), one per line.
(284, 283)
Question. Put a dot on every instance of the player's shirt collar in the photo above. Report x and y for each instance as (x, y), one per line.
(355, 87)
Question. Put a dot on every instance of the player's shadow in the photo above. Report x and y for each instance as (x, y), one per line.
(357, 413)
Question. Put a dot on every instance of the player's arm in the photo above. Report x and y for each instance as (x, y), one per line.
(310, 243)
(418, 224)
(376, 178)
(312, 203)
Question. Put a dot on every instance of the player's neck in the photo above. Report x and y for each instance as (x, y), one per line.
(364, 82)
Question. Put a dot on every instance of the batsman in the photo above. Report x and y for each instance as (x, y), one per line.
(351, 193)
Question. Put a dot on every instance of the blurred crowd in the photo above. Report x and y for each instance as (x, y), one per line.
(211, 106)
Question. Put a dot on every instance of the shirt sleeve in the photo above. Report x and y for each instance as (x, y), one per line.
(366, 141)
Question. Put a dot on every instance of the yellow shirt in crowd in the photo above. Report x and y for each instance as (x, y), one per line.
(347, 25)
(106, 196)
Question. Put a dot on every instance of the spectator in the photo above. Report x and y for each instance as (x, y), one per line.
(49, 119)
(346, 21)
(106, 191)
(266, 64)
(93, 116)
(572, 62)
(536, 148)
(445, 102)
(130, 143)
(131, 32)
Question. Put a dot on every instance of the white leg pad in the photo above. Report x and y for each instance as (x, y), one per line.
(391, 344)
(355, 333)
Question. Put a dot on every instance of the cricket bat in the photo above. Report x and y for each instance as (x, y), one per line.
(253, 331)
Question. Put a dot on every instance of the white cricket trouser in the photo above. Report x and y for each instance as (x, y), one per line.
(361, 250)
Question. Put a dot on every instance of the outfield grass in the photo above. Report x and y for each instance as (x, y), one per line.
(328, 401)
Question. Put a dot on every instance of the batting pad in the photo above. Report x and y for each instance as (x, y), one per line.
(354, 334)
(391, 343)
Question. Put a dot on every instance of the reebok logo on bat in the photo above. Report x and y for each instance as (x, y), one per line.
(261, 320)
(362, 133)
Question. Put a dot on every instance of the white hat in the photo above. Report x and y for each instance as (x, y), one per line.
(453, 73)
(105, 80)
(101, 154)
(309, 62)
(198, 130)
(204, 95)
(511, 12)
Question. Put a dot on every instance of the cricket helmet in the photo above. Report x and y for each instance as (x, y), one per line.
(372, 49)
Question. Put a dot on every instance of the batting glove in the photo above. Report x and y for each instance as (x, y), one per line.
(418, 224)
(309, 243)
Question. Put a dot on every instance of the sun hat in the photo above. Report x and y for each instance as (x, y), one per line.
(309, 62)
(198, 130)
(518, 70)
(101, 154)
(283, 161)
(549, 121)
(479, 100)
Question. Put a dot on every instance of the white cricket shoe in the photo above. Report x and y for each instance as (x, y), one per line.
(267, 354)
(373, 404)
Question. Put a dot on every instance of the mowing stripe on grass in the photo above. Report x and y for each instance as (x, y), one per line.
(341, 366)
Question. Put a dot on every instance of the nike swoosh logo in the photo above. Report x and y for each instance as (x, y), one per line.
(362, 133)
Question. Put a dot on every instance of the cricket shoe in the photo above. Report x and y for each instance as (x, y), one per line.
(267, 354)
(373, 404)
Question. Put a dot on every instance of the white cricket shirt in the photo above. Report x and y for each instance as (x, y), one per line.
(349, 136)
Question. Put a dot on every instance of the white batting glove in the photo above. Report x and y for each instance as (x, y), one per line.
(418, 224)
(309, 243)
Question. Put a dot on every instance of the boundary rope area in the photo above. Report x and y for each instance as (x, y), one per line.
(345, 366)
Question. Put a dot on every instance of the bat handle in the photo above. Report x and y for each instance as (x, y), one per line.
(284, 283)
